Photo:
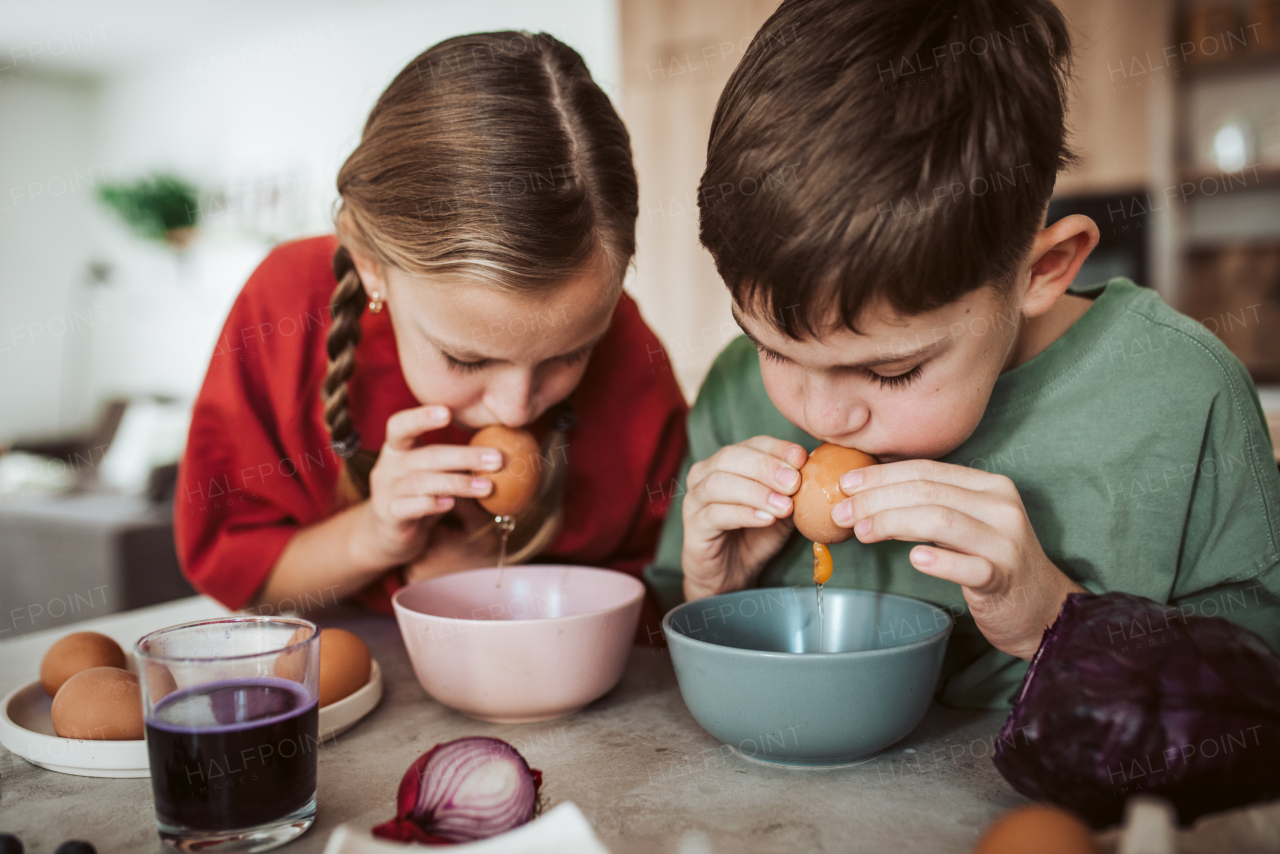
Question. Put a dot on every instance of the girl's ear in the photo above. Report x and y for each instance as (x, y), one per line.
(369, 270)
(1056, 255)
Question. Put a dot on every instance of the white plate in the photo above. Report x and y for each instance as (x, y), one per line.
(25, 728)
(27, 731)
(337, 718)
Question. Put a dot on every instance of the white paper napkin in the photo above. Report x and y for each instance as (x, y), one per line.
(563, 830)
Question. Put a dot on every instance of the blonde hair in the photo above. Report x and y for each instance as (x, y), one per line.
(494, 157)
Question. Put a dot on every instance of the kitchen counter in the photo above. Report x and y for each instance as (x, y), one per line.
(637, 764)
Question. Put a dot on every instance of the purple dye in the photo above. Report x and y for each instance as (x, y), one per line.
(233, 754)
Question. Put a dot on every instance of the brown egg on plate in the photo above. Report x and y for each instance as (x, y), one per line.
(344, 665)
(1039, 829)
(76, 652)
(293, 664)
(820, 491)
(101, 703)
(515, 484)
(160, 681)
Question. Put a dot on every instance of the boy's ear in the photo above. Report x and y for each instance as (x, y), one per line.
(1056, 255)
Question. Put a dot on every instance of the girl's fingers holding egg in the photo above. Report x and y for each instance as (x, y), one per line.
(408, 424)
(441, 483)
(453, 458)
(409, 508)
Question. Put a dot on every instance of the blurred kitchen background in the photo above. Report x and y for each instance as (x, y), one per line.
(152, 153)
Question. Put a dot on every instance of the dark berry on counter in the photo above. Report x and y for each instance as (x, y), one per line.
(10, 844)
(75, 846)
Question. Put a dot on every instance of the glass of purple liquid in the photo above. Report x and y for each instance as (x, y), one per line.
(232, 716)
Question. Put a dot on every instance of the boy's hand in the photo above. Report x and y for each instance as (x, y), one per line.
(981, 536)
(737, 513)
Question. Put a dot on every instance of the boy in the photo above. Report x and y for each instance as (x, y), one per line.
(902, 293)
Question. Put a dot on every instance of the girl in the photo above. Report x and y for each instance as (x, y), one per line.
(485, 224)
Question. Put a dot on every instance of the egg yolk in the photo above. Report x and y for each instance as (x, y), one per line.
(822, 564)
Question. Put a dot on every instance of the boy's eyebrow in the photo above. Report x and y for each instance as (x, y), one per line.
(926, 350)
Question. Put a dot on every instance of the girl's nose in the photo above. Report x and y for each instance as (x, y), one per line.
(510, 398)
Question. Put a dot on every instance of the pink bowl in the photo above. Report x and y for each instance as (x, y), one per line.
(546, 643)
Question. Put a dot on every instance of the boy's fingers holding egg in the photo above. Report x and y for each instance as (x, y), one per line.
(731, 517)
(788, 452)
(722, 487)
(930, 523)
(755, 464)
(972, 571)
(984, 506)
(886, 474)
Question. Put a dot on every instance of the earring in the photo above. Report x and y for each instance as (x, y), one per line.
(375, 303)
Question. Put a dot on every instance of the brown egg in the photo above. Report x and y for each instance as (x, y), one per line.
(160, 681)
(344, 665)
(101, 703)
(293, 665)
(1041, 829)
(521, 474)
(76, 652)
(820, 491)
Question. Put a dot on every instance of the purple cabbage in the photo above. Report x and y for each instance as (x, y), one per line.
(1127, 696)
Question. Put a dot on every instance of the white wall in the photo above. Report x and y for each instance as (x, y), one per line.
(243, 98)
(48, 164)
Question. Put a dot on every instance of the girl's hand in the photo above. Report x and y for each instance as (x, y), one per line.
(410, 488)
(981, 539)
(456, 544)
(737, 513)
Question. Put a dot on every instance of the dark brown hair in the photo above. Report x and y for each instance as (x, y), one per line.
(901, 149)
(496, 157)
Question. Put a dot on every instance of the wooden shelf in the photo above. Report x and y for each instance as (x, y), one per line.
(1243, 63)
(1265, 177)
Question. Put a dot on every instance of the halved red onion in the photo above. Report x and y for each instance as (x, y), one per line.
(461, 791)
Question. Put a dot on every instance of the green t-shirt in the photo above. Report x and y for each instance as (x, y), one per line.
(1138, 445)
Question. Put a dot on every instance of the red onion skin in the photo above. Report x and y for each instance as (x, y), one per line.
(404, 827)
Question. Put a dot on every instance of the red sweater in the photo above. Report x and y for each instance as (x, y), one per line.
(258, 464)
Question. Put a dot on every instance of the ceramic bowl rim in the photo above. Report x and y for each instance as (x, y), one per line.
(637, 595)
(941, 635)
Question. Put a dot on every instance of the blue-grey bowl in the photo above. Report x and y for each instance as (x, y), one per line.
(751, 674)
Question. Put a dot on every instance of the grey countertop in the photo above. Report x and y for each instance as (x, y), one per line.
(637, 764)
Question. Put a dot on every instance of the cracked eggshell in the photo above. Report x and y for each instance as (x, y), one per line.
(820, 491)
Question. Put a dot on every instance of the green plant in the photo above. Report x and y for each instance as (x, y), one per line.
(154, 207)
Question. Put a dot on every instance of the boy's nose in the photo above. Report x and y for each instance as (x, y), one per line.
(827, 415)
